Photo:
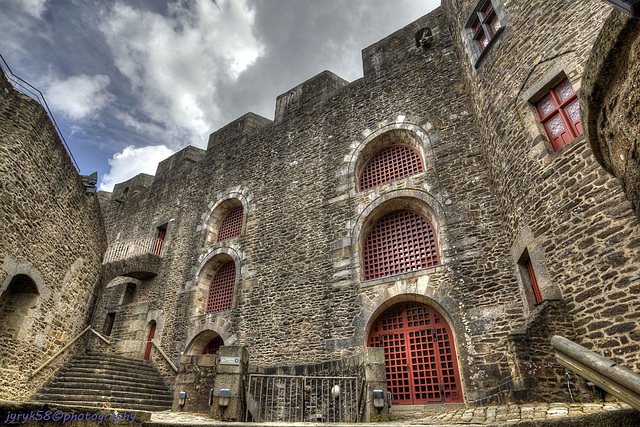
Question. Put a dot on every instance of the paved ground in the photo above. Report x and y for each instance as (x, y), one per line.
(516, 413)
(486, 415)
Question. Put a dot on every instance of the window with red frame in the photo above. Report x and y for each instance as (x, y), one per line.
(231, 225)
(221, 288)
(391, 163)
(399, 242)
(485, 24)
(213, 346)
(559, 112)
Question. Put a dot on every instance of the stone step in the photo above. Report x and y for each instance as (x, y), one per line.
(117, 365)
(113, 405)
(108, 381)
(100, 384)
(152, 378)
(91, 395)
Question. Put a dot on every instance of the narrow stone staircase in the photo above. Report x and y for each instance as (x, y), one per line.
(108, 381)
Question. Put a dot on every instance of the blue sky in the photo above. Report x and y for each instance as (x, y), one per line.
(131, 82)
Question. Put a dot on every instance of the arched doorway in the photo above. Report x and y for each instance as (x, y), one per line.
(17, 305)
(152, 332)
(419, 353)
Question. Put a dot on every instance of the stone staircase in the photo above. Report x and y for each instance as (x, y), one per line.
(108, 381)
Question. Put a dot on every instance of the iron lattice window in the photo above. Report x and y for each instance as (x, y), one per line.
(399, 242)
(213, 346)
(559, 112)
(389, 164)
(221, 289)
(231, 225)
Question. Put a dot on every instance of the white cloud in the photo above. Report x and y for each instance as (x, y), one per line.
(34, 8)
(174, 62)
(79, 97)
(132, 161)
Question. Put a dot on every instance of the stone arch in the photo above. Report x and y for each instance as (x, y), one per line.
(396, 200)
(21, 277)
(416, 292)
(205, 273)
(225, 202)
(422, 328)
(17, 304)
(198, 343)
(397, 133)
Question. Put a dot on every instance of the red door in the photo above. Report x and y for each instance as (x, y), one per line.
(149, 345)
(157, 247)
(419, 353)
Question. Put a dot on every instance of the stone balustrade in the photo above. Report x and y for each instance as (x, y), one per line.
(123, 250)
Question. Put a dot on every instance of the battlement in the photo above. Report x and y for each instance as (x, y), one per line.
(399, 49)
(243, 126)
(132, 186)
(181, 160)
(306, 96)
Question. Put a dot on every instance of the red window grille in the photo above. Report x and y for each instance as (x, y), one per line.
(420, 358)
(559, 112)
(221, 289)
(534, 282)
(389, 164)
(399, 242)
(231, 225)
(213, 346)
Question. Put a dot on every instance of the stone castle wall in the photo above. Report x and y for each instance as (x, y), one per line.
(493, 188)
(300, 296)
(562, 207)
(51, 236)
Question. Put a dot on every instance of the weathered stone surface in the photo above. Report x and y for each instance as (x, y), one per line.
(611, 101)
(50, 232)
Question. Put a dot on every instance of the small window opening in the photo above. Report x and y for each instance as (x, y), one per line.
(530, 282)
(129, 293)
(108, 323)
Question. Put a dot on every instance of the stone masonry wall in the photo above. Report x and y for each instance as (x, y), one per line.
(611, 109)
(299, 296)
(580, 226)
(51, 232)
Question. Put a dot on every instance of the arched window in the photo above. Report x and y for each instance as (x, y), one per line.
(213, 346)
(390, 163)
(221, 288)
(231, 225)
(400, 241)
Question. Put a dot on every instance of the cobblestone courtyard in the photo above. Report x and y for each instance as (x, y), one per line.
(483, 415)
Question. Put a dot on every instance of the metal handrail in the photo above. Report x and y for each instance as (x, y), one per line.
(59, 352)
(606, 374)
(34, 93)
(175, 368)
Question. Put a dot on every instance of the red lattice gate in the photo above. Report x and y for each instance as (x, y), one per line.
(420, 356)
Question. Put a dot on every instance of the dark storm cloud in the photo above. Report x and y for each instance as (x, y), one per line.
(143, 77)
